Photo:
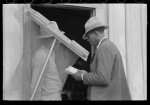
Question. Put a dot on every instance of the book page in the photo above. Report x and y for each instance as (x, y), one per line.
(71, 70)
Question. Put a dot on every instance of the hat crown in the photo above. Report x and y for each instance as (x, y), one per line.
(92, 21)
(92, 24)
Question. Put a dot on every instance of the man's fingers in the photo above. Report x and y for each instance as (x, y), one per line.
(83, 71)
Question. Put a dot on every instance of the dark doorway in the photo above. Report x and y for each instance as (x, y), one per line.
(71, 20)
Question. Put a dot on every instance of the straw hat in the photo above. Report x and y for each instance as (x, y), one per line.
(92, 24)
(46, 34)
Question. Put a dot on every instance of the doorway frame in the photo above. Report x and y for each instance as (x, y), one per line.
(27, 41)
(73, 7)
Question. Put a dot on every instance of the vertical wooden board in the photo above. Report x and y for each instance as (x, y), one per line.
(111, 21)
(11, 54)
(144, 46)
(117, 28)
(13, 51)
(101, 13)
(26, 56)
(134, 49)
(107, 20)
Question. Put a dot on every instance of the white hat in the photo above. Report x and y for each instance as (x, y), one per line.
(92, 24)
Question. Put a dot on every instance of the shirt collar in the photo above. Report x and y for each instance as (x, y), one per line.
(101, 41)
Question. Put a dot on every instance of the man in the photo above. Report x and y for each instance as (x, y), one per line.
(106, 79)
(50, 86)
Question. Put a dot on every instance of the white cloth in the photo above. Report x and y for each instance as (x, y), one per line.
(50, 85)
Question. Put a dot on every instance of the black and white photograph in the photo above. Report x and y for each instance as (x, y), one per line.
(74, 51)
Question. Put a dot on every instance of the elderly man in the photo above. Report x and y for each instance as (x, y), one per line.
(106, 79)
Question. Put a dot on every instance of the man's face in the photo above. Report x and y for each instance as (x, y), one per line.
(92, 37)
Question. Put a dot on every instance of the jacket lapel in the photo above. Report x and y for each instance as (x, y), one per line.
(93, 58)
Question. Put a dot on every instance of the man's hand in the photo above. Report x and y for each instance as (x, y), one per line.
(78, 74)
(83, 71)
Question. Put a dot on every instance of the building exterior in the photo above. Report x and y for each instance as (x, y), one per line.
(127, 29)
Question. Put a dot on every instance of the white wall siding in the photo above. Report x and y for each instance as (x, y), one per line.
(128, 27)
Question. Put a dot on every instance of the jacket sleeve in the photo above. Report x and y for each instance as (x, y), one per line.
(102, 74)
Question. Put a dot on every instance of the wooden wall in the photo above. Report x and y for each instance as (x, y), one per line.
(16, 53)
(12, 51)
(127, 29)
(116, 21)
(27, 54)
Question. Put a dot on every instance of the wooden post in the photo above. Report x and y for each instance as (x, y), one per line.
(134, 50)
(26, 55)
(144, 46)
(117, 28)
(43, 69)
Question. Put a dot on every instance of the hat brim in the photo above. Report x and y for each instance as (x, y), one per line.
(85, 34)
(42, 36)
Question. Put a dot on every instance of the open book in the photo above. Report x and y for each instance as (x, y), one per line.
(71, 70)
(45, 24)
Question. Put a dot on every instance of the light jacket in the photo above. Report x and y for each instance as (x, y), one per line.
(107, 80)
(50, 85)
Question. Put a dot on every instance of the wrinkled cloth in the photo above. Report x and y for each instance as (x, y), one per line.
(107, 80)
(50, 85)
